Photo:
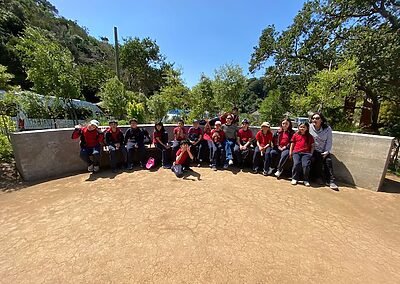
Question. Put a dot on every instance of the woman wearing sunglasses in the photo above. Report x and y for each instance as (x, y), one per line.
(322, 160)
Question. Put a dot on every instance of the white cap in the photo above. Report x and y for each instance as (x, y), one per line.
(218, 122)
(94, 122)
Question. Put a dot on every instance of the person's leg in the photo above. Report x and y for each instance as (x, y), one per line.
(142, 155)
(237, 154)
(267, 160)
(306, 164)
(296, 166)
(112, 154)
(229, 144)
(130, 149)
(282, 161)
(175, 147)
(214, 154)
(200, 151)
(256, 158)
(84, 155)
(178, 171)
(328, 170)
(124, 155)
(210, 145)
(222, 155)
(96, 158)
(275, 153)
(316, 165)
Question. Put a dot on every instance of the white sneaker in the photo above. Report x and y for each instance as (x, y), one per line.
(306, 183)
(90, 168)
(293, 182)
(270, 171)
(230, 162)
(96, 168)
(278, 173)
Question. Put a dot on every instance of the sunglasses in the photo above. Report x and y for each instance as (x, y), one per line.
(316, 118)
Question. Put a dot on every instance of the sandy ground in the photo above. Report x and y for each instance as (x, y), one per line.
(211, 227)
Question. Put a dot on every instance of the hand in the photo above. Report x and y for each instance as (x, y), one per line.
(290, 155)
(117, 145)
(167, 146)
(78, 126)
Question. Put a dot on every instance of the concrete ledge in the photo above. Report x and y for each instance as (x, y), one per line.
(359, 159)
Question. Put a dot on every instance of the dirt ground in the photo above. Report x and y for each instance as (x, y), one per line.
(211, 227)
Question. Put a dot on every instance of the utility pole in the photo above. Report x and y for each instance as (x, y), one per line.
(117, 69)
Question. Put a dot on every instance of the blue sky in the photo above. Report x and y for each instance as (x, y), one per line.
(199, 36)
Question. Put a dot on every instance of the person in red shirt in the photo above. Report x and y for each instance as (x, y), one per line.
(180, 134)
(243, 142)
(281, 148)
(218, 149)
(183, 157)
(114, 139)
(160, 140)
(301, 150)
(207, 140)
(263, 149)
(195, 135)
(91, 139)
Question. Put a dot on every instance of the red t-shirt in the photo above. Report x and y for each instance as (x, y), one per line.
(156, 134)
(221, 135)
(245, 136)
(284, 139)
(92, 138)
(182, 132)
(195, 133)
(183, 159)
(302, 143)
(264, 139)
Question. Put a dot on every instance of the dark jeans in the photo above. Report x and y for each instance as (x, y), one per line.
(165, 157)
(86, 153)
(140, 149)
(266, 158)
(209, 144)
(322, 167)
(283, 157)
(197, 150)
(301, 163)
(175, 147)
(241, 155)
(218, 154)
(113, 155)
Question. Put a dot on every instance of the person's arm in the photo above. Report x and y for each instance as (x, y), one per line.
(159, 141)
(77, 132)
(291, 150)
(190, 153)
(126, 137)
(328, 147)
(179, 157)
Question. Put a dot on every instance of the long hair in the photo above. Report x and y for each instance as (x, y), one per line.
(307, 133)
(162, 130)
(290, 127)
(324, 122)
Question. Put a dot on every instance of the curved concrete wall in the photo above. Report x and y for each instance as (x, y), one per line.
(359, 159)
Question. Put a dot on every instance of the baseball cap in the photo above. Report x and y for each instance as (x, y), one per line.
(265, 124)
(94, 122)
(218, 122)
(195, 120)
(112, 121)
(245, 121)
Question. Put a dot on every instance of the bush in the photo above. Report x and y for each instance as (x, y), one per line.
(6, 153)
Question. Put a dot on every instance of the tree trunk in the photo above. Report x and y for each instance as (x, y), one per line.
(365, 120)
(376, 106)
(349, 107)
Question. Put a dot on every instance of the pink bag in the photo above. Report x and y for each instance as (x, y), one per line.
(150, 163)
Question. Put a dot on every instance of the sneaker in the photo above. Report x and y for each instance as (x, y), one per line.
(270, 171)
(230, 162)
(306, 183)
(200, 161)
(167, 167)
(129, 167)
(293, 182)
(96, 169)
(333, 186)
(255, 171)
(225, 166)
(90, 168)
(214, 168)
(265, 173)
(278, 173)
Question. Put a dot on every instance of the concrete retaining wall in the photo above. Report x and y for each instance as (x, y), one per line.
(359, 159)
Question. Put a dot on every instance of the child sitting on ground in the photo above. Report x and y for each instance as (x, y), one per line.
(183, 157)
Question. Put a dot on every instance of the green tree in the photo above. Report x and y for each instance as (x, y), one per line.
(200, 98)
(92, 77)
(143, 65)
(271, 108)
(49, 66)
(229, 83)
(115, 98)
(157, 107)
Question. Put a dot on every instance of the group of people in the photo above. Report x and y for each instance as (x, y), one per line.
(223, 143)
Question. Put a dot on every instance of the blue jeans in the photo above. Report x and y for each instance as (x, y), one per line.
(218, 154)
(283, 157)
(113, 155)
(94, 152)
(229, 147)
(266, 158)
(301, 163)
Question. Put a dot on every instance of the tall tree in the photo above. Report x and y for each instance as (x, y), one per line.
(201, 98)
